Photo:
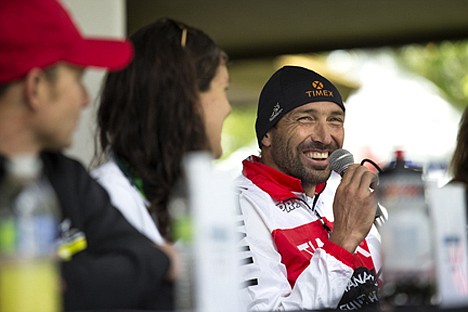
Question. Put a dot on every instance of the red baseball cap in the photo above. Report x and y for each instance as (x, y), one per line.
(39, 33)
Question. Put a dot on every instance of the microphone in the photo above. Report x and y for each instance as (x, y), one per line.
(340, 160)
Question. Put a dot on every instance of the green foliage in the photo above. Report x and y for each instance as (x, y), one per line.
(239, 128)
(445, 64)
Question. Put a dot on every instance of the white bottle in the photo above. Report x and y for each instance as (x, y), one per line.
(29, 217)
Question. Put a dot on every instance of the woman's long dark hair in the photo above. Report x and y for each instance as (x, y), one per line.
(459, 163)
(150, 116)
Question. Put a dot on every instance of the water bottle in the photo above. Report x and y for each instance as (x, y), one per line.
(203, 211)
(408, 258)
(29, 217)
(182, 233)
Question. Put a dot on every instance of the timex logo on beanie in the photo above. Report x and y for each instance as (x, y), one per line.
(288, 88)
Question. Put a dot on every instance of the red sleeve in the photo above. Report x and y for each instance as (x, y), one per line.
(339, 253)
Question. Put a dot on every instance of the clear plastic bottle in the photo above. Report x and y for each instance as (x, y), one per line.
(182, 233)
(29, 217)
(408, 258)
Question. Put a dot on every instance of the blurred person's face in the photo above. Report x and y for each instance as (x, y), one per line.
(62, 98)
(301, 142)
(216, 108)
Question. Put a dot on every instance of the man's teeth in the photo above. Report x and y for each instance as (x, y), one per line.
(317, 155)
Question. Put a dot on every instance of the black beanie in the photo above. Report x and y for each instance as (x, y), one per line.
(288, 88)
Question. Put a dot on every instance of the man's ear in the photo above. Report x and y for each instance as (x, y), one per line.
(33, 83)
(267, 139)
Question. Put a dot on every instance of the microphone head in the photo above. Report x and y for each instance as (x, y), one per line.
(340, 160)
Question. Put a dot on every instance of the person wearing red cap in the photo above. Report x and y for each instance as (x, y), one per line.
(306, 242)
(42, 60)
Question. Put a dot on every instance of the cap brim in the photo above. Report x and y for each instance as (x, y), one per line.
(103, 53)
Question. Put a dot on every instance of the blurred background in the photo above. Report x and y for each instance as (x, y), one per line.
(402, 66)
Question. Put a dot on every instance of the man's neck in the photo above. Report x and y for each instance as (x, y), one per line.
(13, 144)
(309, 189)
(15, 133)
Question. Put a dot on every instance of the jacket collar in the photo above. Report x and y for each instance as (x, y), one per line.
(278, 185)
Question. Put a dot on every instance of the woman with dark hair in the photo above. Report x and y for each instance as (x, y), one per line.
(169, 101)
(459, 163)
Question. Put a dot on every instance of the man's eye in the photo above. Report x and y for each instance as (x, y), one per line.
(305, 118)
(336, 120)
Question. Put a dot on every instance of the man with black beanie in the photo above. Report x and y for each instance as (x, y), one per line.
(308, 239)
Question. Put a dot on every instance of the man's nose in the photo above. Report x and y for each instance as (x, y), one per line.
(321, 133)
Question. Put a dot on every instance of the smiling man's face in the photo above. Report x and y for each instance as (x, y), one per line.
(301, 142)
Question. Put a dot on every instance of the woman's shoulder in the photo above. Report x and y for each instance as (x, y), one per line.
(123, 194)
(107, 170)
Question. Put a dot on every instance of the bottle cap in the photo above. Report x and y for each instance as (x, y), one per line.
(24, 167)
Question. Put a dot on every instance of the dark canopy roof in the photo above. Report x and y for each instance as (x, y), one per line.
(262, 28)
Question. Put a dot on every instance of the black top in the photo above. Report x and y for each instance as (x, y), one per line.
(120, 268)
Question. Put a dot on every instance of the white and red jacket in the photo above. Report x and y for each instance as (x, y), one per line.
(288, 262)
